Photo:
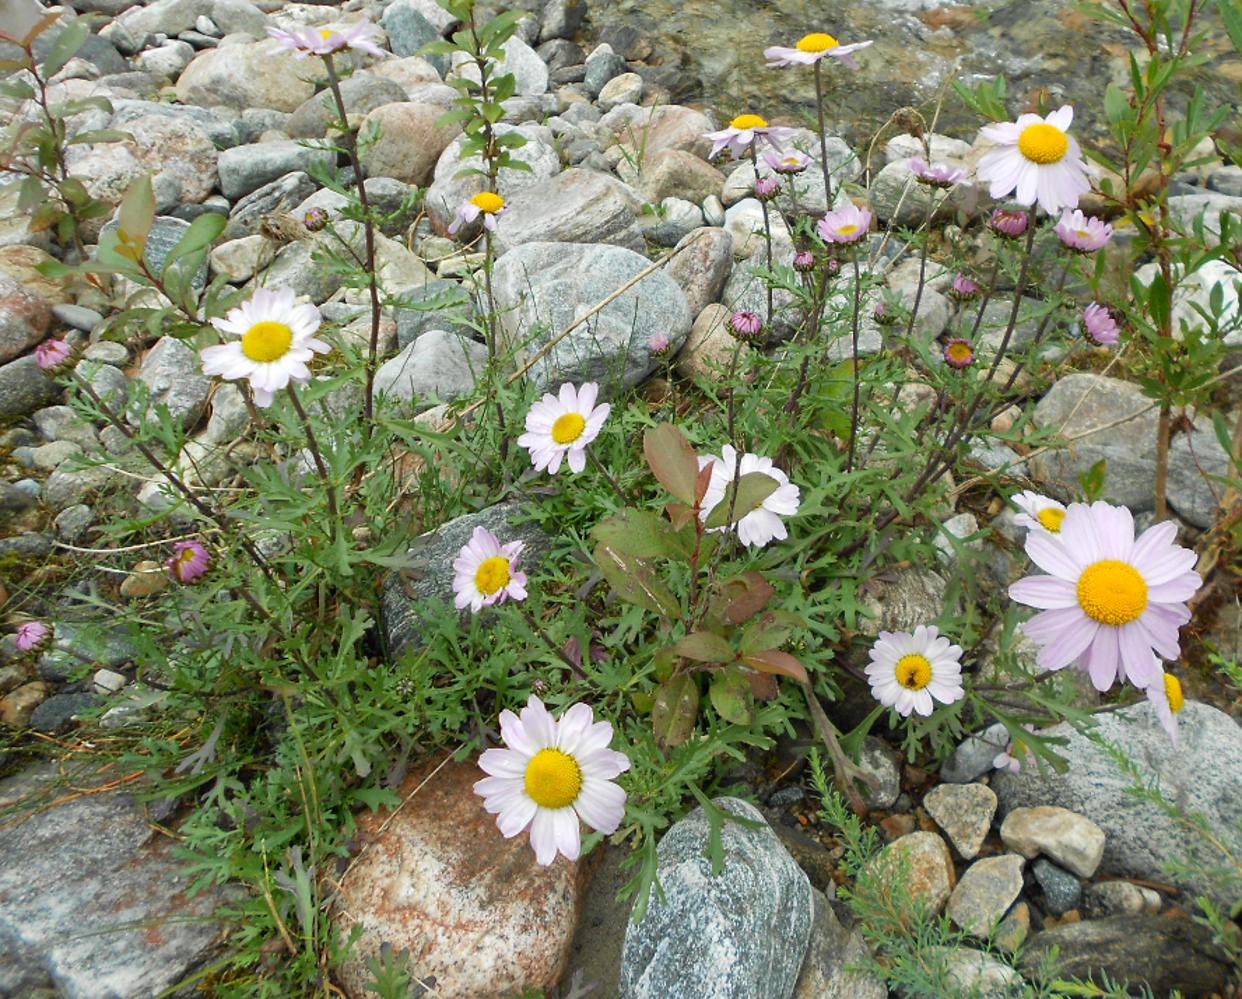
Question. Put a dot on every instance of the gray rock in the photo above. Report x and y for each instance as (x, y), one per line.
(1113, 898)
(741, 933)
(95, 861)
(561, 18)
(167, 60)
(24, 387)
(221, 131)
(530, 75)
(408, 31)
(438, 304)
(67, 487)
(78, 645)
(1129, 448)
(976, 974)
(61, 423)
(1062, 891)
(601, 66)
(167, 17)
(246, 75)
(58, 713)
(1226, 180)
(541, 288)
(879, 761)
(964, 812)
(295, 267)
(24, 317)
(109, 383)
(571, 207)
(624, 89)
(437, 367)
(79, 317)
(164, 234)
(244, 169)
(361, 92)
(1201, 775)
(429, 576)
(229, 415)
(34, 545)
(387, 195)
(714, 211)
(1072, 840)
(1186, 209)
(238, 260)
(73, 522)
(807, 187)
(996, 320)
(51, 456)
(985, 892)
(14, 498)
(674, 220)
(1166, 955)
(702, 265)
(173, 375)
(281, 195)
(897, 197)
(902, 601)
(830, 969)
(974, 755)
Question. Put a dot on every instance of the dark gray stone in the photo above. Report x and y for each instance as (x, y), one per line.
(58, 712)
(24, 387)
(429, 576)
(408, 31)
(31, 545)
(736, 935)
(1202, 774)
(438, 304)
(879, 761)
(281, 195)
(1062, 891)
(560, 53)
(77, 316)
(1163, 954)
(244, 169)
(561, 18)
(164, 234)
(91, 896)
(601, 66)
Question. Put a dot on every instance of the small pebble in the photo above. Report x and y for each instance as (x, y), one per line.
(1062, 891)
(108, 682)
(77, 316)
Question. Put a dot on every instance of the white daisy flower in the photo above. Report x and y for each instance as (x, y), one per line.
(485, 572)
(553, 774)
(1039, 513)
(561, 427)
(276, 339)
(1167, 698)
(1035, 158)
(810, 49)
(487, 204)
(359, 36)
(763, 524)
(911, 672)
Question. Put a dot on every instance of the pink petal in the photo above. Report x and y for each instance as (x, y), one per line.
(1044, 592)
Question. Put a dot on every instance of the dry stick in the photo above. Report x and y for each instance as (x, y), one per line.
(843, 770)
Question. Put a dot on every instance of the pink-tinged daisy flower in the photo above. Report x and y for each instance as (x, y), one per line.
(559, 427)
(1014, 756)
(756, 528)
(32, 636)
(1009, 224)
(275, 341)
(810, 49)
(51, 354)
(1039, 513)
(936, 174)
(804, 261)
(359, 36)
(910, 672)
(790, 161)
(488, 204)
(1165, 694)
(1109, 600)
(959, 353)
(767, 188)
(1100, 325)
(746, 325)
(551, 775)
(659, 345)
(846, 224)
(315, 219)
(744, 131)
(963, 288)
(485, 572)
(189, 562)
(1035, 158)
(1083, 233)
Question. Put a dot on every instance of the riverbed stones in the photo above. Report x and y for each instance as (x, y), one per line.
(411, 139)
(1072, 840)
(985, 892)
(437, 367)
(742, 932)
(644, 132)
(24, 317)
(470, 906)
(701, 265)
(244, 169)
(173, 375)
(246, 75)
(964, 812)
(576, 206)
(24, 387)
(921, 864)
(1062, 891)
(830, 968)
(542, 288)
(362, 93)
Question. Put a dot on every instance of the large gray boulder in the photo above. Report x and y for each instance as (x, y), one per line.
(437, 367)
(541, 288)
(739, 934)
(577, 206)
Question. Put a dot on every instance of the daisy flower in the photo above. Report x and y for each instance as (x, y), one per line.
(489, 204)
(909, 672)
(359, 36)
(790, 161)
(315, 219)
(936, 174)
(51, 354)
(810, 49)
(552, 774)
(659, 345)
(276, 339)
(1039, 513)
(745, 130)
(1100, 325)
(485, 572)
(1166, 697)
(767, 188)
(1010, 225)
(963, 288)
(1083, 233)
(1036, 158)
(32, 635)
(560, 427)
(959, 353)
(844, 225)
(745, 325)
(804, 261)
(189, 561)
(1109, 601)
(763, 524)
(1014, 756)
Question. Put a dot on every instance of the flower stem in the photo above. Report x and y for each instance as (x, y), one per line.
(599, 467)
(560, 653)
(317, 455)
(849, 461)
(823, 136)
(767, 225)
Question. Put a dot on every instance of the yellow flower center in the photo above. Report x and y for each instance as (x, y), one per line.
(848, 229)
(1112, 592)
(187, 556)
(817, 41)
(492, 575)
(326, 34)
(553, 779)
(488, 201)
(1173, 691)
(1051, 519)
(1082, 233)
(568, 428)
(267, 341)
(960, 353)
(748, 121)
(1043, 143)
(914, 672)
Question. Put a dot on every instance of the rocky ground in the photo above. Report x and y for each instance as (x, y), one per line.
(618, 175)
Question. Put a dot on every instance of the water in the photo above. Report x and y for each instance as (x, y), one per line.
(711, 52)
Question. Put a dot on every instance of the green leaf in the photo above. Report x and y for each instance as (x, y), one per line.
(1223, 435)
(672, 461)
(743, 596)
(1093, 479)
(775, 661)
(634, 581)
(66, 46)
(752, 489)
(731, 697)
(640, 533)
(135, 217)
(99, 135)
(704, 647)
(203, 230)
(676, 709)
(769, 632)
(1159, 302)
